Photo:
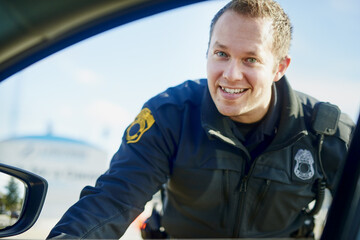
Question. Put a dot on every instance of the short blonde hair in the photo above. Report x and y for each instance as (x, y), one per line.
(282, 28)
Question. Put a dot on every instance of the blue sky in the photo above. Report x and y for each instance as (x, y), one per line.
(93, 90)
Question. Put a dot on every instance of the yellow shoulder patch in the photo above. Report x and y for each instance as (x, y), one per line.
(143, 122)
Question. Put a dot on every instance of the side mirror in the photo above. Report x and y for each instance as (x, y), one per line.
(22, 195)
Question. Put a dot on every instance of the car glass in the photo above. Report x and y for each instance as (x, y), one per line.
(12, 196)
(63, 117)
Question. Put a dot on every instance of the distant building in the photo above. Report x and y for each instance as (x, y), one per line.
(67, 164)
(54, 157)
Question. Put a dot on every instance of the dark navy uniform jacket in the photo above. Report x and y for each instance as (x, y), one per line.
(215, 189)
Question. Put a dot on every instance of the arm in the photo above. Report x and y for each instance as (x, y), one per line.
(136, 172)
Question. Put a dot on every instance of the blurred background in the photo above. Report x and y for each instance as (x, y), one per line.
(64, 116)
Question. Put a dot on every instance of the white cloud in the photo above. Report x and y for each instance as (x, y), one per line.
(107, 122)
(65, 112)
(108, 114)
(87, 76)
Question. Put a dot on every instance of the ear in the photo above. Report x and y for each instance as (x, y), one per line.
(281, 68)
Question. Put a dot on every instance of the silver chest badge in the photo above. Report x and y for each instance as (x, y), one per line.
(304, 168)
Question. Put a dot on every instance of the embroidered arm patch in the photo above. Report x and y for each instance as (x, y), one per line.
(143, 122)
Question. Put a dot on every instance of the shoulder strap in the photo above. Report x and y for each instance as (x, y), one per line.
(325, 120)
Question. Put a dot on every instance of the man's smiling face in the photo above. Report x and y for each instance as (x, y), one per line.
(241, 66)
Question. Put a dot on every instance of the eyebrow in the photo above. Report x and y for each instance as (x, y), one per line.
(217, 44)
(222, 46)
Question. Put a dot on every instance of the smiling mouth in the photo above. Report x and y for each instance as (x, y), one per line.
(233, 90)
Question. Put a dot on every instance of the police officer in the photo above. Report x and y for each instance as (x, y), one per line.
(238, 151)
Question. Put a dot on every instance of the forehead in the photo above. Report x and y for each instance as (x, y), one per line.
(233, 28)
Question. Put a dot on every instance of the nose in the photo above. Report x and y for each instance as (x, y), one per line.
(233, 71)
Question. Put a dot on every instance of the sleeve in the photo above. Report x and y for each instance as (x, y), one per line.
(136, 172)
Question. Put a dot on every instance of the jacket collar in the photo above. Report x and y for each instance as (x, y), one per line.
(291, 125)
(292, 119)
(216, 124)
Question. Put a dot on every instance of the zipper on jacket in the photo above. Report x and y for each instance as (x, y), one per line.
(242, 190)
(243, 185)
(226, 193)
(260, 201)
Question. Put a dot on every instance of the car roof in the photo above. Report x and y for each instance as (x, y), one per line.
(31, 31)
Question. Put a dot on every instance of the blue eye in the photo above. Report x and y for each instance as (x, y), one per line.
(221, 54)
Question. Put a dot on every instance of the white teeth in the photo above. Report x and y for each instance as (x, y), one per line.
(232, 91)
